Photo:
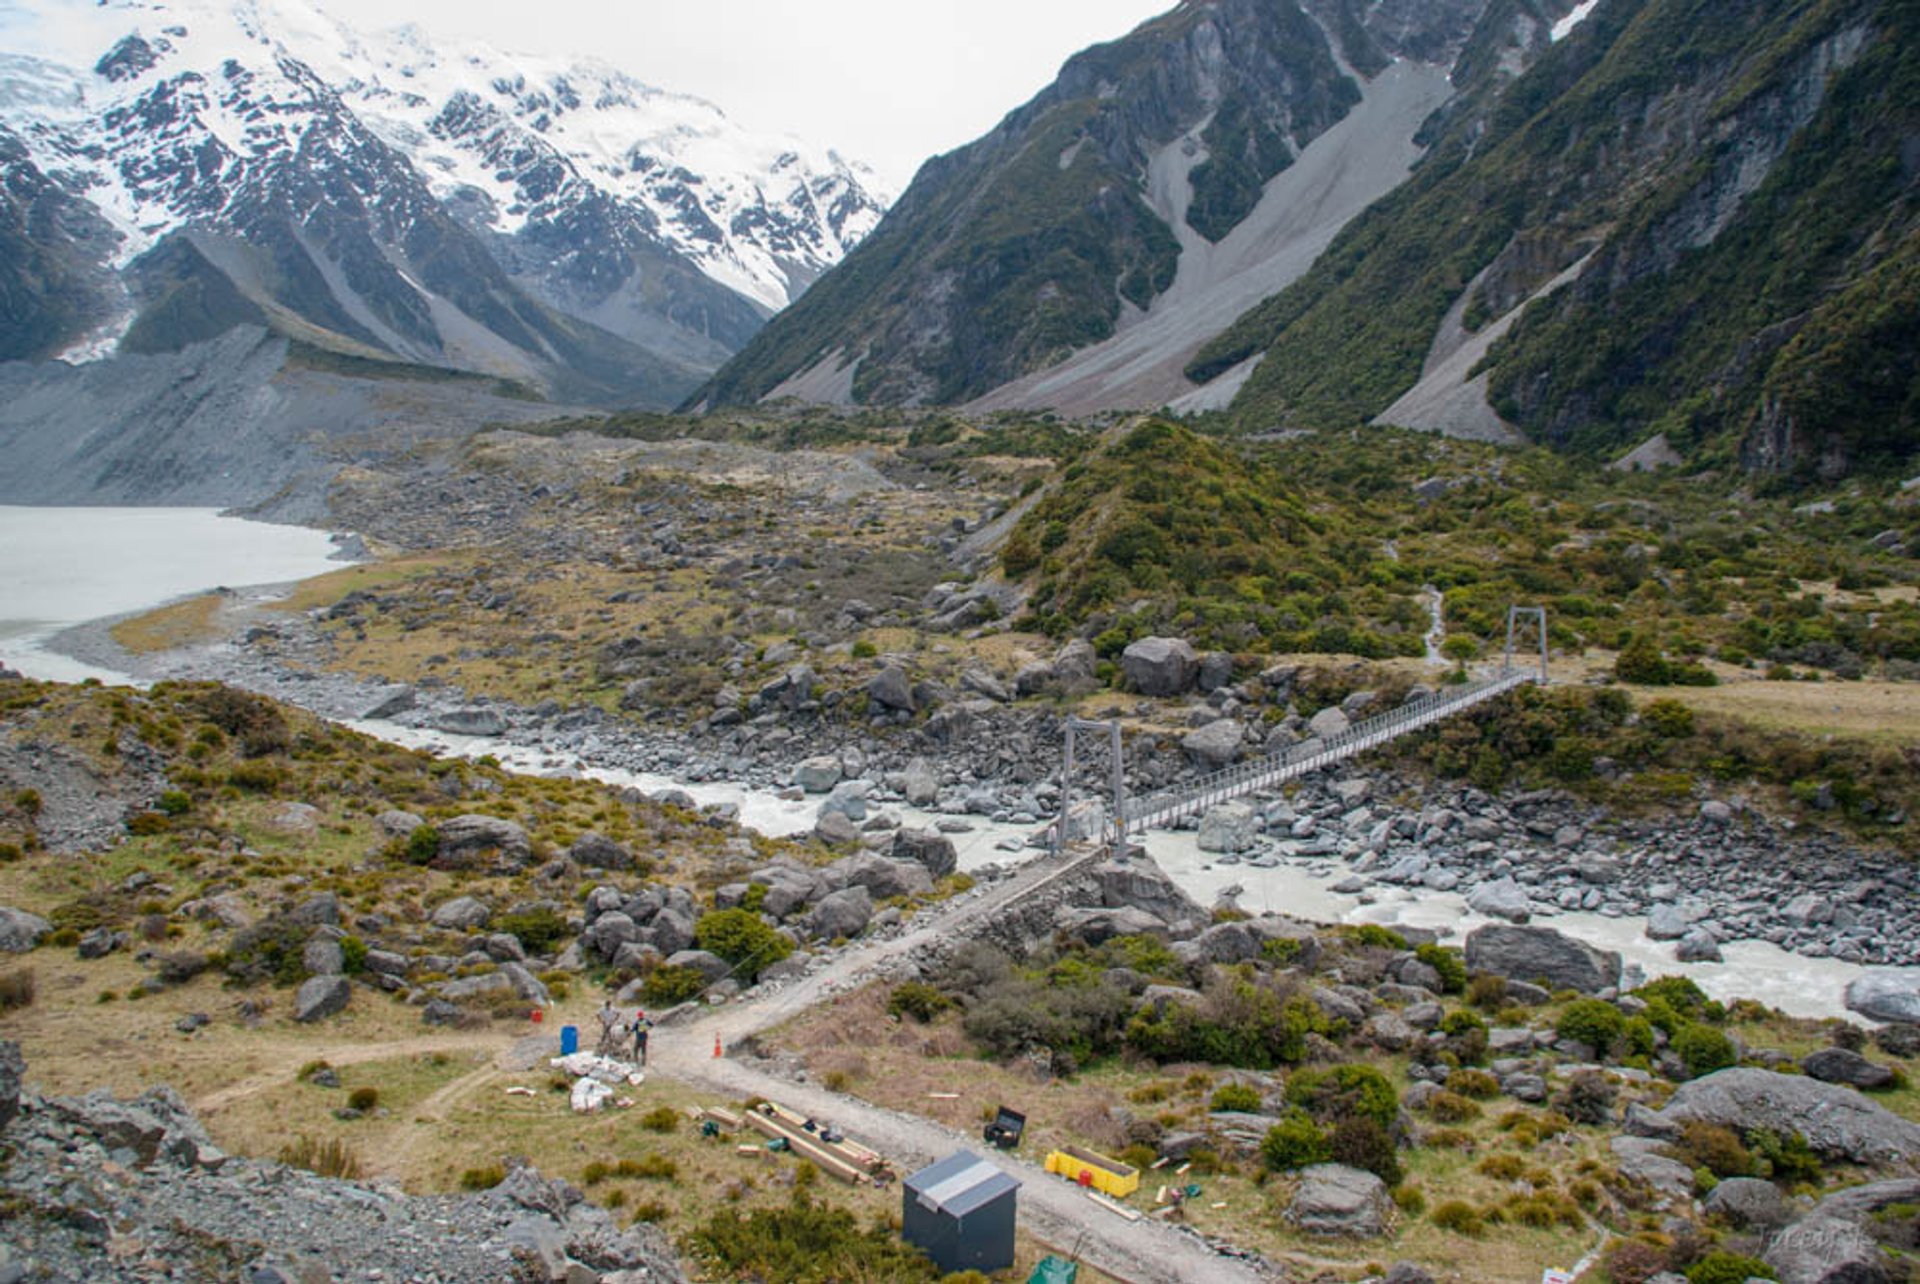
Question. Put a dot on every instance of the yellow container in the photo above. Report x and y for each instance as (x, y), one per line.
(1108, 1176)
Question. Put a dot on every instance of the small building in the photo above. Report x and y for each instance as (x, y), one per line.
(960, 1212)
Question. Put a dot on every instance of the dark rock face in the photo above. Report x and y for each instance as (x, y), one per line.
(320, 997)
(927, 847)
(1336, 1200)
(594, 851)
(1544, 955)
(1835, 1120)
(465, 839)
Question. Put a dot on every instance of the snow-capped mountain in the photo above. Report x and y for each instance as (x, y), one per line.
(388, 196)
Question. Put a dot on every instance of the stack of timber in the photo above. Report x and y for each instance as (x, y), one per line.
(848, 1160)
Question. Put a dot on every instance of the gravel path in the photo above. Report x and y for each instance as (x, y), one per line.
(1147, 1252)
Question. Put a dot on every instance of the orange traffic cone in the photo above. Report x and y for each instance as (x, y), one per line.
(716, 1045)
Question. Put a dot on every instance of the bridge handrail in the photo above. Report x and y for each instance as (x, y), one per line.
(1296, 760)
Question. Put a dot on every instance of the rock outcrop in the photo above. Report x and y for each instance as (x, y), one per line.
(1543, 955)
(1836, 1121)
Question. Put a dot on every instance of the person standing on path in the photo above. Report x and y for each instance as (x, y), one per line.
(609, 1024)
(641, 1026)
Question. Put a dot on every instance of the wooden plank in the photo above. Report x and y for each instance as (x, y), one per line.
(804, 1143)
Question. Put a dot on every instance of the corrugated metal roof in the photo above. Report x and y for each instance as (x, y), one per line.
(959, 1184)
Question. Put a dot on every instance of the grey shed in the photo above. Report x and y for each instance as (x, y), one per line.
(960, 1212)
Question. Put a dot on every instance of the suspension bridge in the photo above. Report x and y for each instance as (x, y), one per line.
(1167, 806)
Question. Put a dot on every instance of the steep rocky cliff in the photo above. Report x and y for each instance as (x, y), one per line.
(1076, 214)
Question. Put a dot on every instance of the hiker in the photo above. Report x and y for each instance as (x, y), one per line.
(609, 1023)
(640, 1028)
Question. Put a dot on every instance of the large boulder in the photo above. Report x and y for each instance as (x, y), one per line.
(1159, 666)
(707, 964)
(919, 784)
(465, 839)
(1838, 1065)
(20, 931)
(1328, 723)
(843, 915)
(1836, 1121)
(1096, 926)
(670, 931)
(155, 1126)
(1228, 827)
(926, 847)
(462, 914)
(1544, 955)
(321, 996)
(1216, 744)
(1501, 898)
(891, 689)
(323, 957)
(597, 851)
(1334, 1199)
(819, 774)
(1143, 885)
(1826, 1250)
(1666, 922)
(1748, 1201)
(470, 722)
(1075, 668)
(882, 877)
(1643, 1160)
(1886, 994)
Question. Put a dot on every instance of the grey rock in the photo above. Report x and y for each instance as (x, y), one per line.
(321, 996)
(1838, 1065)
(596, 851)
(1334, 1199)
(465, 839)
(1826, 1250)
(843, 915)
(1141, 884)
(296, 819)
(1217, 743)
(926, 847)
(1229, 943)
(98, 943)
(670, 931)
(387, 701)
(1835, 1120)
(918, 784)
(323, 957)
(1698, 947)
(1715, 812)
(707, 964)
(13, 1068)
(1525, 1087)
(1158, 666)
(890, 689)
(397, 824)
(1388, 1031)
(1666, 923)
(882, 877)
(387, 963)
(526, 984)
(318, 911)
(1327, 723)
(1406, 1273)
(819, 774)
(462, 914)
(1641, 1160)
(1096, 925)
(1228, 827)
(834, 829)
(1748, 1201)
(472, 721)
(475, 987)
(440, 1012)
(1543, 955)
(1886, 994)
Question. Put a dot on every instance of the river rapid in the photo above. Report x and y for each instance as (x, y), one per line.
(64, 567)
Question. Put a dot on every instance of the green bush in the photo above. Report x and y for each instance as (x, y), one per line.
(1594, 1022)
(1247, 1022)
(1714, 1148)
(17, 989)
(420, 846)
(1703, 1049)
(1372, 934)
(671, 983)
(1451, 1107)
(1295, 1142)
(539, 928)
(1786, 1159)
(662, 1119)
(806, 1243)
(327, 1158)
(1588, 1098)
(1359, 1142)
(1343, 1091)
(1448, 963)
(485, 1178)
(363, 1099)
(1477, 1084)
(1242, 1097)
(1668, 719)
(742, 939)
(1459, 1217)
(1728, 1268)
(918, 1000)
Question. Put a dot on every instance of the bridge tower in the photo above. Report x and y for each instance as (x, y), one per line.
(1116, 823)
(1517, 618)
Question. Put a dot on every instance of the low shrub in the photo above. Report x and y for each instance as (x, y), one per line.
(1714, 1148)
(1458, 1216)
(327, 1158)
(1728, 1268)
(670, 983)
(485, 1178)
(1339, 1092)
(363, 1099)
(17, 989)
(1588, 1098)
(1477, 1084)
(918, 1000)
(1295, 1142)
(806, 1243)
(1243, 1097)
(1487, 991)
(1703, 1049)
(539, 928)
(1452, 1108)
(661, 1119)
(1448, 963)
(742, 939)
(179, 967)
(1360, 1142)
(1594, 1022)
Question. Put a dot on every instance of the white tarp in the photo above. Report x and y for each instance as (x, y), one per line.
(590, 1065)
(589, 1095)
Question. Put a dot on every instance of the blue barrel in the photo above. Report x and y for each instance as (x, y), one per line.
(569, 1040)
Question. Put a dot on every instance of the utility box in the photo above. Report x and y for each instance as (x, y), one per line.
(960, 1212)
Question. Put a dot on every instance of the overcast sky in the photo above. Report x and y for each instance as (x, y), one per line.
(890, 82)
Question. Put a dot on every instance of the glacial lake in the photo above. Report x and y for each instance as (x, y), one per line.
(65, 566)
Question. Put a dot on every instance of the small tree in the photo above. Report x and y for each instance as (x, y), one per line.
(1640, 661)
(742, 939)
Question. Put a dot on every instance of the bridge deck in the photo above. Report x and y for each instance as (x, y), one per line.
(1170, 805)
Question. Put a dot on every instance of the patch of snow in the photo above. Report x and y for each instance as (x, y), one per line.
(1577, 15)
